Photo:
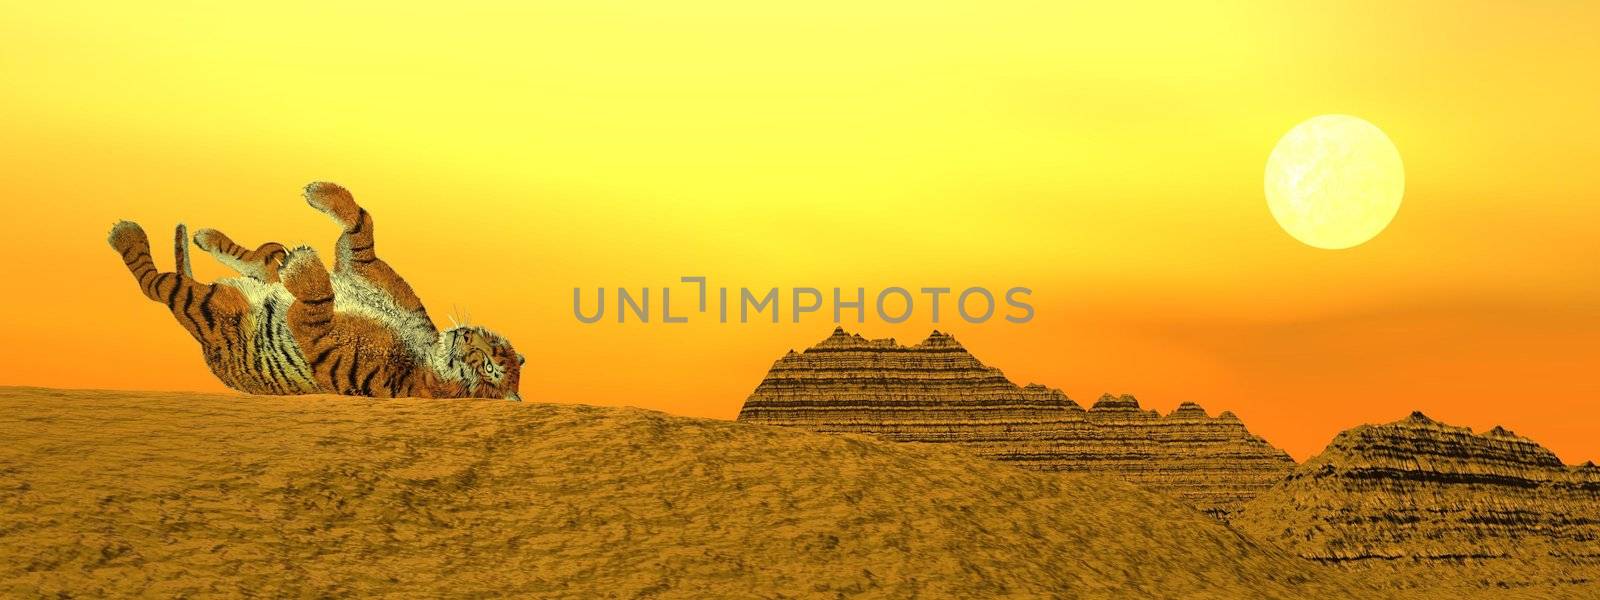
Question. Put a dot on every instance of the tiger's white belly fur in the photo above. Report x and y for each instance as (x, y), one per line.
(267, 360)
(352, 294)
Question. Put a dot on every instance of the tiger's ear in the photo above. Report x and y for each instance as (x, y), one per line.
(521, 360)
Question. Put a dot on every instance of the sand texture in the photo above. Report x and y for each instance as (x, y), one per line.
(166, 494)
(935, 391)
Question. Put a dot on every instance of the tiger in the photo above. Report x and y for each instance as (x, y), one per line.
(286, 326)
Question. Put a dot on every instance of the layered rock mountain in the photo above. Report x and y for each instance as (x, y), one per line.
(937, 392)
(1420, 493)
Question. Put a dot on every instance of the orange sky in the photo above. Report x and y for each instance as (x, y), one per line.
(1110, 158)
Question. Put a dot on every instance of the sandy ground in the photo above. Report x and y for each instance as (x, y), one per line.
(116, 493)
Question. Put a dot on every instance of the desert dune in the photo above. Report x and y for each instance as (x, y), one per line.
(179, 494)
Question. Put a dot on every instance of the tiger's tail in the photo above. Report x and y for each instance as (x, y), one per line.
(180, 250)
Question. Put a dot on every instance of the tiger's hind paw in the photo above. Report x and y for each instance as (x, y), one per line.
(127, 234)
(210, 240)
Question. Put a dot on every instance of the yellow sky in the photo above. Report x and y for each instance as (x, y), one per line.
(1109, 157)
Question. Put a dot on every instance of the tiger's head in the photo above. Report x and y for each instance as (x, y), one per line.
(486, 361)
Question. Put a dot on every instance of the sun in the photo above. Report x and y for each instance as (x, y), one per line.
(1334, 181)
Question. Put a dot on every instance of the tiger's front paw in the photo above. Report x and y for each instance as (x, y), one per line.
(304, 275)
(334, 201)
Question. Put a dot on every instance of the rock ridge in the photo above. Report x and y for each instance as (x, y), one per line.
(937, 392)
(1419, 492)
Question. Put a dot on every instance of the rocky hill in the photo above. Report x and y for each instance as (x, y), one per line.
(1418, 494)
(182, 495)
(937, 392)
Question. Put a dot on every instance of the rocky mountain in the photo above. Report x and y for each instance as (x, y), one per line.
(937, 392)
(1418, 493)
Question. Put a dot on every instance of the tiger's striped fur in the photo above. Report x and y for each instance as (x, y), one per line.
(260, 264)
(289, 326)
